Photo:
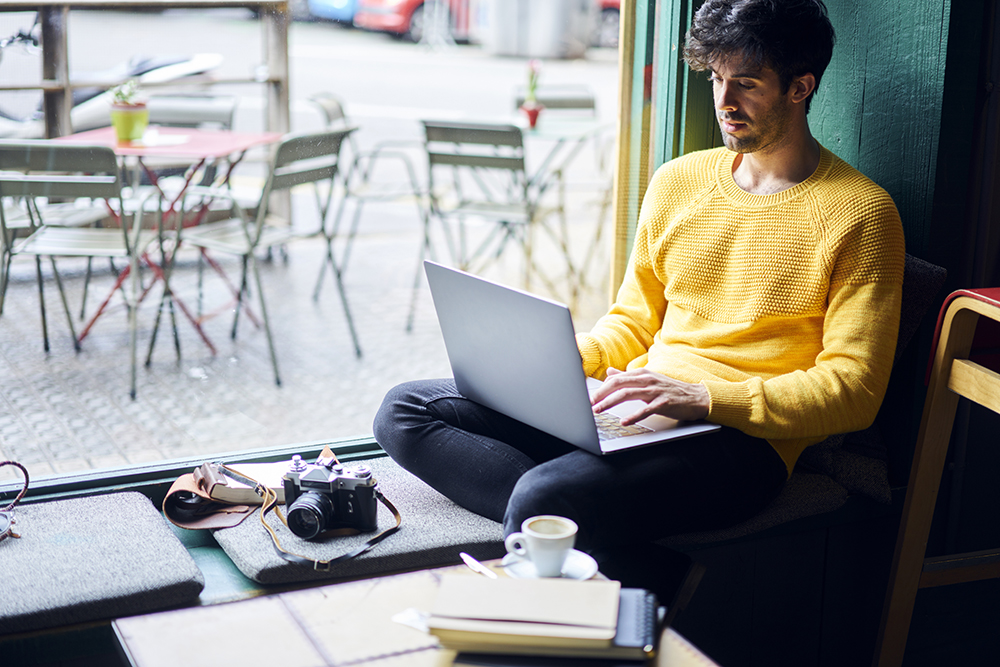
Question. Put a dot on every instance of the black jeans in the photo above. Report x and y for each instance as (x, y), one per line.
(507, 471)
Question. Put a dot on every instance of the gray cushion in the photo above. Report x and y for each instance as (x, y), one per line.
(434, 530)
(92, 558)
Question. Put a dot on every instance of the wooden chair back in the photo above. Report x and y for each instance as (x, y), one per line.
(953, 375)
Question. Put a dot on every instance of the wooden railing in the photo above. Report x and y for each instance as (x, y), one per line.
(57, 87)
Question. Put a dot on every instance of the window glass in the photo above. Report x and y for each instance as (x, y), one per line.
(465, 61)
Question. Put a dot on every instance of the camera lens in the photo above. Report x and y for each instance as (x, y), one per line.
(309, 514)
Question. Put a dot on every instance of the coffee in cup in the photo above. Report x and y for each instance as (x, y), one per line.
(544, 540)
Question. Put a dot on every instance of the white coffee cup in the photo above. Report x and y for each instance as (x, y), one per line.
(544, 540)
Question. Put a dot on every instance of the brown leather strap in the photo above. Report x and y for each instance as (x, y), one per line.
(188, 505)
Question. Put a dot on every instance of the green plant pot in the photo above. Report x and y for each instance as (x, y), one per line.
(129, 122)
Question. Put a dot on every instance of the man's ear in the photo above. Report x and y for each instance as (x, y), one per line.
(802, 87)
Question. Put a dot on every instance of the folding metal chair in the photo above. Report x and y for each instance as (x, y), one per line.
(561, 97)
(334, 116)
(486, 181)
(46, 169)
(21, 222)
(200, 111)
(365, 181)
(298, 159)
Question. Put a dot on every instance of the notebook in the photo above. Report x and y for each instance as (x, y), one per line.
(516, 353)
(543, 617)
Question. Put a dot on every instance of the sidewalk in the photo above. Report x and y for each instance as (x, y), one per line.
(66, 412)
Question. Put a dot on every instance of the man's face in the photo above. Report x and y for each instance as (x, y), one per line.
(753, 113)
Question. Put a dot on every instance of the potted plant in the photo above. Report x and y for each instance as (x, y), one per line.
(531, 107)
(129, 115)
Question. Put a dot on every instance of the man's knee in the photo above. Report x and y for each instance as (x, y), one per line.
(399, 407)
(403, 418)
(538, 492)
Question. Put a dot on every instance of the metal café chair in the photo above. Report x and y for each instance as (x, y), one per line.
(574, 101)
(194, 111)
(561, 97)
(21, 221)
(476, 172)
(362, 186)
(298, 159)
(46, 169)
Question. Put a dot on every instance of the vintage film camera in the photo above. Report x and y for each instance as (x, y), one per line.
(327, 495)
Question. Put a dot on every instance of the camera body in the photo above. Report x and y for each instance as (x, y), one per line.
(327, 495)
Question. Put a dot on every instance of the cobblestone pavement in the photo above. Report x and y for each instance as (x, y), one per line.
(64, 411)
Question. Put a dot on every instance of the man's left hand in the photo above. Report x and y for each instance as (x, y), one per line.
(661, 394)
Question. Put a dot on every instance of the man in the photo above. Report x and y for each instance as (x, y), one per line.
(762, 294)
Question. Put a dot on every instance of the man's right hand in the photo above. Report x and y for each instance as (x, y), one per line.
(662, 395)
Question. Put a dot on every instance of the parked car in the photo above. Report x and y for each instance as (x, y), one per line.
(341, 11)
(407, 18)
(606, 34)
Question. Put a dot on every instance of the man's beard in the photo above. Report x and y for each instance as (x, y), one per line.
(767, 131)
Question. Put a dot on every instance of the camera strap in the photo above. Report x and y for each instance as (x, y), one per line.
(270, 503)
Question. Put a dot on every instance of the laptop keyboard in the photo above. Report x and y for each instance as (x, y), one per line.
(609, 427)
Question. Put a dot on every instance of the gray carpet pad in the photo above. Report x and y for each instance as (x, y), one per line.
(91, 558)
(433, 532)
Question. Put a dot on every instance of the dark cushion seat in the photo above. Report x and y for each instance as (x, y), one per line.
(87, 559)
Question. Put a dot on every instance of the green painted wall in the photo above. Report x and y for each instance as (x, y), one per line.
(880, 102)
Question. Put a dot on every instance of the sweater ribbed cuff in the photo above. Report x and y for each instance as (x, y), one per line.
(731, 403)
(590, 352)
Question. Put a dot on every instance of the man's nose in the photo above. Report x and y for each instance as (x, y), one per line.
(725, 100)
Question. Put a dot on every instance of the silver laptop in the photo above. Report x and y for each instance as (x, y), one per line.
(516, 353)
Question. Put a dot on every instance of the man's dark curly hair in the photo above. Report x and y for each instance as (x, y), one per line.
(792, 37)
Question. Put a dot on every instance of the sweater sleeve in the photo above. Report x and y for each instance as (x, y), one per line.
(842, 392)
(627, 331)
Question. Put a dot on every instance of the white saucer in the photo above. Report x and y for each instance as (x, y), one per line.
(578, 565)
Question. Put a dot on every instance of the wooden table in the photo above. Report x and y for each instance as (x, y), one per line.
(339, 624)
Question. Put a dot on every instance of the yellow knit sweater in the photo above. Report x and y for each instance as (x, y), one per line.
(785, 306)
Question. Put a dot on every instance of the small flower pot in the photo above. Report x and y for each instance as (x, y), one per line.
(129, 121)
(531, 110)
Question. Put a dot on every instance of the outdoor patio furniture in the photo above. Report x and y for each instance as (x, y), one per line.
(193, 111)
(561, 97)
(21, 221)
(298, 159)
(34, 169)
(197, 147)
(365, 181)
(187, 111)
(485, 180)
